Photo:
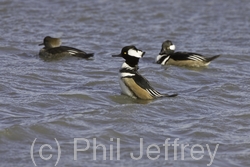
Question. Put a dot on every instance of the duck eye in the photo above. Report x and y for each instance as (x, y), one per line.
(124, 52)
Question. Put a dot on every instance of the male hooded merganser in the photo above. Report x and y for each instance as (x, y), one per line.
(168, 56)
(131, 82)
(52, 48)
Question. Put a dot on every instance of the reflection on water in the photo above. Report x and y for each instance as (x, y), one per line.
(71, 97)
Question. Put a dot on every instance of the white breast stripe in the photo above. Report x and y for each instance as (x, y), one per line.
(126, 74)
(165, 60)
(135, 53)
(158, 58)
(125, 65)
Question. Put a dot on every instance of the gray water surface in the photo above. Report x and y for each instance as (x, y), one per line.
(74, 98)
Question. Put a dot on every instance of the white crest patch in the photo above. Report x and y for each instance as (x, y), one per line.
(172, 47)
(135, 53)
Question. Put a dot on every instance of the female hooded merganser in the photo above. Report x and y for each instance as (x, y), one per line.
(168, 56)
(52, 48)
(131, 82)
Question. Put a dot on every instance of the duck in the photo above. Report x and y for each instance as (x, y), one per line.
(168, 56)
(53, 49)
(131, 82)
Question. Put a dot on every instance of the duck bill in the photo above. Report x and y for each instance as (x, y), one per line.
(143, 53)
(117, 55)
(40, 44)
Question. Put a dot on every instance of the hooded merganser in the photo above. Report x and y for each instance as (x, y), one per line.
(52, 48)
(169, 56)
(131, 82)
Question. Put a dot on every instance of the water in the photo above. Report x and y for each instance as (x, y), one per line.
(75, 98)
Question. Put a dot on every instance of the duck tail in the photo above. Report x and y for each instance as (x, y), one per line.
(84, 55)
(170, 95)
(212, 58)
